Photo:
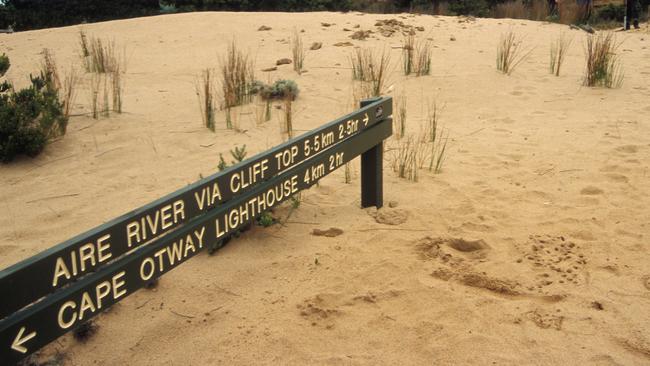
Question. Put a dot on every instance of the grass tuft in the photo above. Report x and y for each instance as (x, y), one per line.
(408, 50)
(603, 66)
(510, 52)
(400, 118)
(205, 90)
(298, 51)
(288, 117)
(117, 89)
(99, 56)
(435, 136)
(407, 157)
(237, 77)
(372, 68)
(416, 56)
(69, 90)
(559, 49)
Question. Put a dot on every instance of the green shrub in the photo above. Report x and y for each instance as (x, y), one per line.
(477, 8)
(611, 12)
(29, 118)
(4, 64)
(266, 219)
(281, 89)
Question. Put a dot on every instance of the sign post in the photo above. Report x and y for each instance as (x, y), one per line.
(372, 170)
(34, 320)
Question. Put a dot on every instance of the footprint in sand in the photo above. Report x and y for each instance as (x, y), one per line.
(545, 320)
(646, 282)
(323, 309)
(388, 216)
(318, 311)
(451, 251)
(618, 178)
(478, 280)
(557, 261)
(591, 191)
(481, 228)
(628, 149)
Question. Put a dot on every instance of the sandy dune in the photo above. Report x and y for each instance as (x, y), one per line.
(531, 247)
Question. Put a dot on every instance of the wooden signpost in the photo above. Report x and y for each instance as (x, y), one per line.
(45, 296)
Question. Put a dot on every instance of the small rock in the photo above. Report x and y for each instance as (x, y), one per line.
(263, 28)
(347, 30)
(343, 44)
(326, 24)
(392, 204)
(421, 29)
(268, 69)
(316, 46)
(452, 38)
(357, 26)
(361, 35)
(283, 61)
(330, 233)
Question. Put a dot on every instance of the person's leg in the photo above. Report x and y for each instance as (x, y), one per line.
(636, 12)
(629, 4)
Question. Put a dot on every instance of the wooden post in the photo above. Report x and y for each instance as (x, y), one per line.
(372, 172)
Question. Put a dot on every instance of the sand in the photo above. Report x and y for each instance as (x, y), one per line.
(530, 247)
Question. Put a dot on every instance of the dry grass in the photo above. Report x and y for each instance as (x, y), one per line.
(106, 107)
(48, 68)
(379, 72)
(95, 82)
(438, 154)
(416, 56)
(205, 90)
(69, 90)
(66, 90)
(603, 66)
(406, 159)
(237, 76)
(371, 67)
(423, 58)
(408, 54)
(117, 89)
(399, 124)
(510, 52)
(435, 136)
(432, 121)
(100, 56)
(559, 49)
(288, 117)
(348, 173)
(360, 61)
(298, 51)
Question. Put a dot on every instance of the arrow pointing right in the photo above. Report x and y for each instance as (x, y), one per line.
(17, 345)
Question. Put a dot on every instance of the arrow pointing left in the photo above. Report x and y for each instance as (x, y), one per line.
(17, 345)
